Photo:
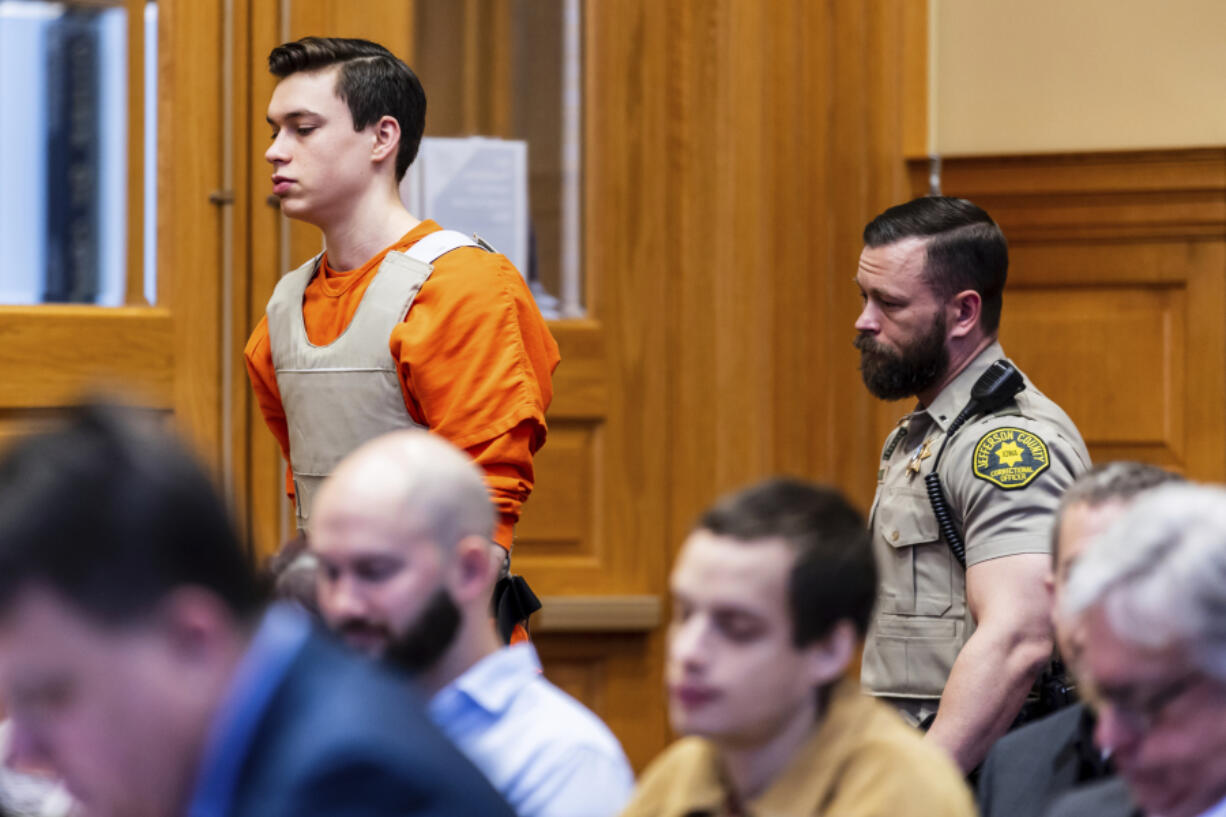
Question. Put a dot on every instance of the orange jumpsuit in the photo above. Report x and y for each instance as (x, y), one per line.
(474, 355)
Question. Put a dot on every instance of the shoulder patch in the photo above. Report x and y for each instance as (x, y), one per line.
(1010, 458)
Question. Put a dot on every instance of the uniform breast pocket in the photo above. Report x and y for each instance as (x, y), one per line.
(916, 565)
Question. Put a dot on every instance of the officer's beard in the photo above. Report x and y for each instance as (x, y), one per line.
(428, 638)
(914, 369)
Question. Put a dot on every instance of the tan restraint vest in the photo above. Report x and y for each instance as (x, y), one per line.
(338, 396)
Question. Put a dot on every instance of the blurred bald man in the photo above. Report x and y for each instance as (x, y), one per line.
(402, 533)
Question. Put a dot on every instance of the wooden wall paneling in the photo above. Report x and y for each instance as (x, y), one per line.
(236, 296)
(189, 252)
(724, 371)
(165, 357)
(628, 257)
(853, 87)
(1205, 407)
(733, 171)
(1116, 293)
(561, 540)
(440, 39)
(629, 262)
(385, 22)
(265, 241)
(52, 354)
(134, 290)
(618, 676)
(913, 46)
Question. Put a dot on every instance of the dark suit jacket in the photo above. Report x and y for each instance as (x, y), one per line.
(344, 738)
(1106, 798)
(1029, 767)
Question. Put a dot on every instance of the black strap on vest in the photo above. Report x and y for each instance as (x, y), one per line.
(994, 388)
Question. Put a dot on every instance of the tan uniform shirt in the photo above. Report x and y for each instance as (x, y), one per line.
(861, 761)
(1003, 475)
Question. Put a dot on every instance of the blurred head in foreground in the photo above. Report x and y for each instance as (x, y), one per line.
(401, 532)
(125, 599)
(1150, 593)
(771, 594)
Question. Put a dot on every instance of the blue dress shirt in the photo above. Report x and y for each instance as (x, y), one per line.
(543, 750)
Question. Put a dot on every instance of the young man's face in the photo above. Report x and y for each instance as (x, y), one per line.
(733, 674)
(321, 165)
(97, 707)
(901, 328)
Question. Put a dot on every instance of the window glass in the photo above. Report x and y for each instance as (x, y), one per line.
(64, 152)
(513, 69)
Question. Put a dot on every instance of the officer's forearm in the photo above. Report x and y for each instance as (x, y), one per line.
(986, 689)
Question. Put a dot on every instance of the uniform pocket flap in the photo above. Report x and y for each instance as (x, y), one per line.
(916, 627)
(905, 519)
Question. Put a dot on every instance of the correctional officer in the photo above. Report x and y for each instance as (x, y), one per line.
(963, 644)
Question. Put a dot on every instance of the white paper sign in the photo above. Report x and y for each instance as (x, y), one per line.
(474, 185)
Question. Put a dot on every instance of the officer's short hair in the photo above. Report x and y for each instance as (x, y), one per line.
(1158, 574)
(1118, 481)
(834, 577)
(372, 81)
(965, 249)
(112, 514)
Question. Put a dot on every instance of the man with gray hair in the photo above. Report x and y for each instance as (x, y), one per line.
(1151, 596)
(1028, 768)
(401, 531)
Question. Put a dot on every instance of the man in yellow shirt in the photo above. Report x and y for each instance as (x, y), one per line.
(772, 593)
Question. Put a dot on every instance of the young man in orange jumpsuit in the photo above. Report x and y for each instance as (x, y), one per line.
(398, 323)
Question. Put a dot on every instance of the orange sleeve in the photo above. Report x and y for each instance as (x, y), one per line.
(476, 362)
(507, 463)
(263, 377)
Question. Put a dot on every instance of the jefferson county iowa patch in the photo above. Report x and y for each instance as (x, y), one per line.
(1010, 457)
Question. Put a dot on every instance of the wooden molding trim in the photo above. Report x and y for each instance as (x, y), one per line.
(580, 385)
(598, 614)
(1125, 194)
(44, 367)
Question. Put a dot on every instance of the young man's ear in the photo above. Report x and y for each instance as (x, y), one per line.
(387, 139)
(964, 311)
(829, 658)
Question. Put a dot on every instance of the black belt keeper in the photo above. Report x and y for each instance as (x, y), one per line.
(513, 602)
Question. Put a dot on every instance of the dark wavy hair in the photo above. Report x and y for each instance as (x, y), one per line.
(834, 577)
(111, 514)
(966, 250)
(372, 81)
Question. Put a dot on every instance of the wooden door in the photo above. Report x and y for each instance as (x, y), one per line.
(169, 354)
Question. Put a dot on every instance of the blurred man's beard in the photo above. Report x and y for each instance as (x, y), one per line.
(364, 636)
(428, 637)
(915, 368)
